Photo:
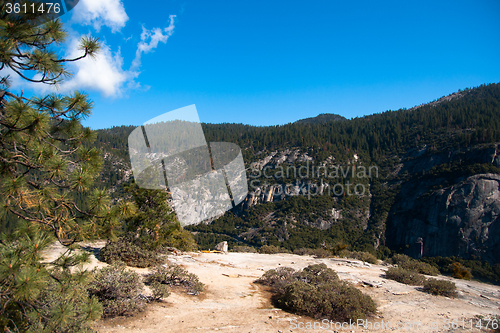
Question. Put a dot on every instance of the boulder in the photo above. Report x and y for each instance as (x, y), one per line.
(222, 246)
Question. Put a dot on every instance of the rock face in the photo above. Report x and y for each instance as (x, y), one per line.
(418, 161)
(459, 220)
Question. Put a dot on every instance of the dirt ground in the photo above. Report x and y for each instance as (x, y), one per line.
(231, 301)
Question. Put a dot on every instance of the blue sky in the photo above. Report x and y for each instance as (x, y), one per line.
(274, 62)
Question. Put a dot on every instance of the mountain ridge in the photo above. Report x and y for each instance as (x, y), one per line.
(322, 118)
(446, 142)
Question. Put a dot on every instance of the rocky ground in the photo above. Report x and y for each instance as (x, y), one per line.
(231, 301)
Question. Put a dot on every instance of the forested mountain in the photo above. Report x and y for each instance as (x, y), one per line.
(427, 179)
(322, 119)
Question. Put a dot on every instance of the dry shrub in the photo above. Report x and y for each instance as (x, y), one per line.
(460, 272)
(173, 276)
(118, 290)
(405, 276)
(440, 287)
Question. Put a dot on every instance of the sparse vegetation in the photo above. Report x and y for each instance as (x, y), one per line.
(316, 291)
(173, 276)
(440, 287)
(405, 276)
(118, 290)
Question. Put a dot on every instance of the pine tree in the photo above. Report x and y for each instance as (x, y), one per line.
(155, 225)
(43, 159)
(45, 166)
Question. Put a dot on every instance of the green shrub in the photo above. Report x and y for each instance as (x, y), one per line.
(440, 287)
(277, 279)
(316, 291)
(460, 271)
(399, 259)
(405, 276)
(334, 300)
(244, 248)
(339, 248)
(173, 276)
(318, 253)
(383, 252)
(118, 290)
(411, 264)
(420, 267)
(479, 269)
(272, 249)
(125, 250)
(363, 256)
(316, 274)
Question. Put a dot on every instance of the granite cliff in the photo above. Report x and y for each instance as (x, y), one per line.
(458, 220)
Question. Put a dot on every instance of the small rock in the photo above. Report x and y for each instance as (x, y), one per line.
(373, 283)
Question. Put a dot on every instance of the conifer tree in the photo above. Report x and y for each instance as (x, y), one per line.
(43, 159)
(46, 168)
(155, 225)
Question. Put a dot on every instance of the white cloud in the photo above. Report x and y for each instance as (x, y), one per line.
(14, 79)
(104, 73)
(150, 40)
(110, 13)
